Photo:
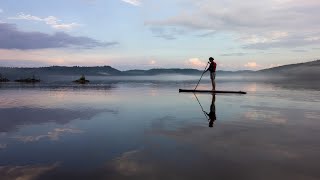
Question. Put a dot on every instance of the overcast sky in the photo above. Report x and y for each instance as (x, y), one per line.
(144, 34)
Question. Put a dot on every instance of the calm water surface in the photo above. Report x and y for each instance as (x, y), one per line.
(147, 130)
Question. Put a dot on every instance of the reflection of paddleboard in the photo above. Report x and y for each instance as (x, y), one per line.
(210, 91)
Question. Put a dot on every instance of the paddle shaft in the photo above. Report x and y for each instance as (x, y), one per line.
(201, 76)
(205, 114)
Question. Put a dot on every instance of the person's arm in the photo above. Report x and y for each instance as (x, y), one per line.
(207, 69)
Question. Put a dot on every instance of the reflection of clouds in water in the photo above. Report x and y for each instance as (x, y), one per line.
(128, 164)
(154, 92)
(3, 146)
(12, 118)
(163, 122)
(59, 95)
(237, 153)
(312, 115)
(271, 116)
(279, 115)
(53, 135)
(251, 143)
(54, 98)
(279, 120)
(25, 172)
(242, 148)
(252, 87)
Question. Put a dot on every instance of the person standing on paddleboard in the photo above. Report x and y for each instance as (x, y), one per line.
(212, 68)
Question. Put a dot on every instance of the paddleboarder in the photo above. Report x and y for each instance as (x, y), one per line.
(212, 115)
(212, 68)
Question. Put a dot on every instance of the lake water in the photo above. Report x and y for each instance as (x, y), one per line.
(147, 130)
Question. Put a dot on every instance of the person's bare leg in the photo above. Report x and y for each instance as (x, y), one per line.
(213, 82)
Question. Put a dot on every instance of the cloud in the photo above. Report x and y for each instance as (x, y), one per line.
(152, 62)
(23, 63)
(274, 36)
(265, 23)
(299, 50)
(53, 135)
(277, 39)
(163, 33)
(230, 16)
(12, 38)
(89, 1)
(50, 20)
(274, 65)
(234, 54)
(133, 2)
(292, 41)
(206, 33)
(196, 63)
(252, 65)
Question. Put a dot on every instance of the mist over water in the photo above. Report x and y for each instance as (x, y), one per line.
(164, 79)
(142, 128)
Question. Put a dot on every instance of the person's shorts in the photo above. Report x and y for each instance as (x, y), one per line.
(213, 75)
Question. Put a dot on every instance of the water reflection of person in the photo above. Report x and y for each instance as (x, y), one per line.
(212, 115)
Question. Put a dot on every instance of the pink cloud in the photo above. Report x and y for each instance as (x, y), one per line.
(252, 65)
(152, 62)
(196, 63)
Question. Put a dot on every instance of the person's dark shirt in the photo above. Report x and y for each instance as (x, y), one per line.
(212, 67)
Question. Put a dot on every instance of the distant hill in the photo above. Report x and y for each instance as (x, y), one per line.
(58, 71)
(307, 70)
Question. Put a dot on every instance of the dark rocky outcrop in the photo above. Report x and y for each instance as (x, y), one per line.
(82, 80)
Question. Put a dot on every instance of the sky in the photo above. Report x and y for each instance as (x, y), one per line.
(145, 34)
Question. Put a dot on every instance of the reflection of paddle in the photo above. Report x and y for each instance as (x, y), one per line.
(205, 114)
(201, 76)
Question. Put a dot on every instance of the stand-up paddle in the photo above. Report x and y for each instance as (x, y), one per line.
(201, 76)
(205, 114)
